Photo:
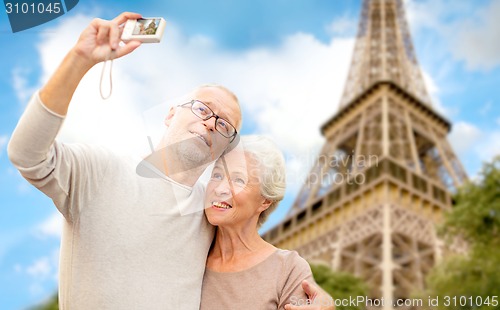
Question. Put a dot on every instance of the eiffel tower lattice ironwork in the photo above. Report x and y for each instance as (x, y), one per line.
(385, 174)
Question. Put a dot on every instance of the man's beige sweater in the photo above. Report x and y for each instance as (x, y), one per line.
(124, 244)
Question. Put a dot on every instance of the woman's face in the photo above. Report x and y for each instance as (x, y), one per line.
(233, 197)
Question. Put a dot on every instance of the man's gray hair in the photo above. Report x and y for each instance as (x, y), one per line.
(271, 163)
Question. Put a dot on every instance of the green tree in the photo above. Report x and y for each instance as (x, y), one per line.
(340, 285)
(476, 215)
(475, 218)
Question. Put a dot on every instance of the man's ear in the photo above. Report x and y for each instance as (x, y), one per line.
(170, 115)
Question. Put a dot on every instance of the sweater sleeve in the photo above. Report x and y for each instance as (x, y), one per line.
(68, 174)
(296, 270)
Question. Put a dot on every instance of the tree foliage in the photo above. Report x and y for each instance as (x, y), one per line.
(476, 215)
(340, 285)
(476, 219)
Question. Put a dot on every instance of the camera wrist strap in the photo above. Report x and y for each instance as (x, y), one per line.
(110, 78)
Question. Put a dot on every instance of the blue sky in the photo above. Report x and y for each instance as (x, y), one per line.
(286, 60)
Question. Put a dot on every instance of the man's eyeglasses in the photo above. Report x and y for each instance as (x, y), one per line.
(204, 112)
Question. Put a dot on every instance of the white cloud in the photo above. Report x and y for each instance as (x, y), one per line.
(41, 268)
(438, 15)
(478, 38)
(3, 142)
(43, 273)
(343, 25)
(55, 262)
(8, 239)
(433, 91)
(430, 84)
(22, 186)
(51, 227)
(467, 139)
(464, 137)
(425, 14)
(37, 289)
(489, 146)
(21, 85)
(469, 32)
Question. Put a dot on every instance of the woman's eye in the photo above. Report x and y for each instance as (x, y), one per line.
(217, 176)
(239, 181)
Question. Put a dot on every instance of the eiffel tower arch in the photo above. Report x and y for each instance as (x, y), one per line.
(386, 172)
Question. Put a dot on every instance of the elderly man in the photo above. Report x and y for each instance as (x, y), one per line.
(129, 242)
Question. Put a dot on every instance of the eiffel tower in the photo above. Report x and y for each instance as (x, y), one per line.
(386, 172)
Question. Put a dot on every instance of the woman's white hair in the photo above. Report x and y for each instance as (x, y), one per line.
(271, 162)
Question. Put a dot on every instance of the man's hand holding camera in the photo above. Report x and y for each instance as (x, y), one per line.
(100, 41)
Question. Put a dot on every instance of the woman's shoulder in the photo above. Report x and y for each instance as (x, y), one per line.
(292, 260)
(288, 254)
(294, 271)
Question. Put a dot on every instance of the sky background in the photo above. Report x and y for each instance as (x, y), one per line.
(286, 60)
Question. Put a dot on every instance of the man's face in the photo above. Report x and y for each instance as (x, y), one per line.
(198, 141)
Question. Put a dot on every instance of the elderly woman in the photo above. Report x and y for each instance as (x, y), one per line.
(243, 271)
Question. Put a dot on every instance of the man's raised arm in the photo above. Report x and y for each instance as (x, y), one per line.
(39, 125)
(66, 174)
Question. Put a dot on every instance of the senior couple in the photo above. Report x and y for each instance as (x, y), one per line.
(133, 241)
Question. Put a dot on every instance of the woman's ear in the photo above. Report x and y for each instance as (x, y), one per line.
(266, 203)
(170, 115)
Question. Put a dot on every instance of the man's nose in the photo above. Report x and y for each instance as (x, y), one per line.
(210, 123)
